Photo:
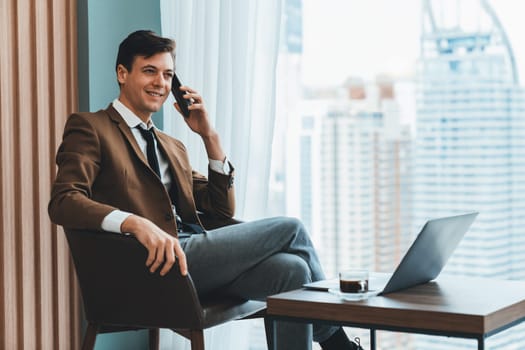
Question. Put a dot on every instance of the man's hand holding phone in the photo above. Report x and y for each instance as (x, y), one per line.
(179, 93)
(189, 100)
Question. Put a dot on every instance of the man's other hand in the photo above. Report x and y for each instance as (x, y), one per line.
(162, 247)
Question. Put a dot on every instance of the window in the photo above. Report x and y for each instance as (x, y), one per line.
(358, 151)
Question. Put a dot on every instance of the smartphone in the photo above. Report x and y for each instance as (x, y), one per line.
(178, 93)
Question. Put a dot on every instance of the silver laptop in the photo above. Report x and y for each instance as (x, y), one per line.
(423, 261)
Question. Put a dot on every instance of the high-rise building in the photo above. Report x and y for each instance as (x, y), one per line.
(470, 145)
(361, 170)
(355, 180)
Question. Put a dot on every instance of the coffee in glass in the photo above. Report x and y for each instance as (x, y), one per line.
(353, 281)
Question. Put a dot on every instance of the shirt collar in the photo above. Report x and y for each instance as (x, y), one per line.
(129, 117)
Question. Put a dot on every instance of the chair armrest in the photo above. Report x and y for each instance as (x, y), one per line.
(118, 288)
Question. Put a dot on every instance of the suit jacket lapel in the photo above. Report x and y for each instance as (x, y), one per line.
(179, 170)
(126, 132)
(182, 173)
(162, 139)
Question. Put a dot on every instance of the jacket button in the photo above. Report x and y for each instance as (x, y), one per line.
(169, 216)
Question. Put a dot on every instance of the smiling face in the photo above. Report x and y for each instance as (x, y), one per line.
(145, 87)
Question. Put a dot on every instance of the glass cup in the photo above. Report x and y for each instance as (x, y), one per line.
(353, 281)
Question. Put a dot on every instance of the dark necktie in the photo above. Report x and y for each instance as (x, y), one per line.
(153, 161)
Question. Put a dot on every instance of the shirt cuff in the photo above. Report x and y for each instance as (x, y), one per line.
(219, 165)
(113, 221)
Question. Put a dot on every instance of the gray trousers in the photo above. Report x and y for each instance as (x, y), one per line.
(254, 260)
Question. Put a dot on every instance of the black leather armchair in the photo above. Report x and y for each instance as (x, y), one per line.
(120, 293)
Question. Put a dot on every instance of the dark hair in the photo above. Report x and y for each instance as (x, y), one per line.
(142, 43)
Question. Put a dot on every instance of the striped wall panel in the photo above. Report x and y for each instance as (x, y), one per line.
(39, 298)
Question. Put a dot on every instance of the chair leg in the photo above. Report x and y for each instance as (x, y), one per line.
(197, 339)
(154, 339)
(90, 337)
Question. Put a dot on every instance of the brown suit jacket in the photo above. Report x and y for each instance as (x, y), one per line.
(101, 168)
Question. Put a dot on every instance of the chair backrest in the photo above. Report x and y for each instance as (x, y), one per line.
(118, 289)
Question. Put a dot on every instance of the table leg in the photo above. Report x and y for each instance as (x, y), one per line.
(481, 343)
(372, 339)
(270, 324)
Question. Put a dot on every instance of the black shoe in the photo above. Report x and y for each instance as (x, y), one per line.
(339, 341)
(357, 343)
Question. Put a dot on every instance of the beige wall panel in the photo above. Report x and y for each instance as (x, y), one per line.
(24, 160)
(43, 238)
(9, 280)
(39, 299)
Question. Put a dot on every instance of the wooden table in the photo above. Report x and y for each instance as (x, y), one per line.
(462, 307)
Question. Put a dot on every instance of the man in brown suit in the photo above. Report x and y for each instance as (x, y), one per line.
(118, 173)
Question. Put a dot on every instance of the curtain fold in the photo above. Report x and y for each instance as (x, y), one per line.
(227, 50)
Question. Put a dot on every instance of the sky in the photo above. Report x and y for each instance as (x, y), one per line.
(363, 38)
